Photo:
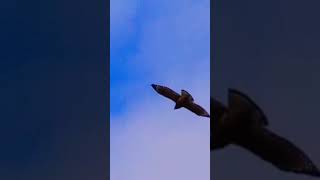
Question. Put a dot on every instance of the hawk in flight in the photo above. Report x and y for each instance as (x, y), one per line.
(244, 124)
(184, 100)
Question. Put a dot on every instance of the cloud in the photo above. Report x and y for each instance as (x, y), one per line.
(150, 140)
(178, 43)
(122, 21)
(158, 143)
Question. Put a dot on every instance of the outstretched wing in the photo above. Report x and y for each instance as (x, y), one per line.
(186, 93)
(197, 109)
(167, 92)
(278, 151)
(240, 103)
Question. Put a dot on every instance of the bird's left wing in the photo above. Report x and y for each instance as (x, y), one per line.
(166, 92)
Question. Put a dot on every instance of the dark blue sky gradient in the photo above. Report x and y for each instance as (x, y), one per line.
(54, 77)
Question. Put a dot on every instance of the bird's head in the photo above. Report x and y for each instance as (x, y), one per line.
(154, 86)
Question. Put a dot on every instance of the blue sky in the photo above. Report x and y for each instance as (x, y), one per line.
(162, 42)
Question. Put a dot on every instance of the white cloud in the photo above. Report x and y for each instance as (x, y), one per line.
(156, 141)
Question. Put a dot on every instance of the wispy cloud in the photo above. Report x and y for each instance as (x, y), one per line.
(123, 14)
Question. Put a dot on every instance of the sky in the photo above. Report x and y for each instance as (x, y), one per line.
(53, 75)
(53, 72)
(167, 43)
(270, 51)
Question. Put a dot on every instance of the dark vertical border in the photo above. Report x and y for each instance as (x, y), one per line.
(212, 55)
(54, 90)
(108, 90)
(211, 68)
(213, 40)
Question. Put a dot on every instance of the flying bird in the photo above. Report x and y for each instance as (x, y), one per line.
(244, 124)
(184, 100)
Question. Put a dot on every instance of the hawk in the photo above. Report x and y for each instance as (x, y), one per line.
(244, 124)
(184, 100)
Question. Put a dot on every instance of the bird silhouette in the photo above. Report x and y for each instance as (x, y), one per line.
(244, 124)
(184, 100)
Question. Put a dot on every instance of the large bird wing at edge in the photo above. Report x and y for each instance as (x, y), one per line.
(217, 108)
(278, 151)
(197, 109)
(240, 103)
(167, 92)
(267, 145)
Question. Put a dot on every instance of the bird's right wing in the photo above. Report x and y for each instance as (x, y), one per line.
(197, 109)
(167, 92)
(278, 151)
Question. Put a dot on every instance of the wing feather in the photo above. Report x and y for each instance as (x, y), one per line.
(166, 92)
(197, 109)
(278, 151)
